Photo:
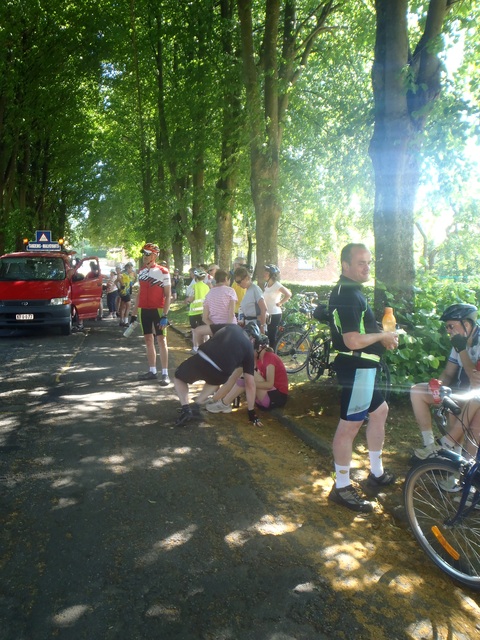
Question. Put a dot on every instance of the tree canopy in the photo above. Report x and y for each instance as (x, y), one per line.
(201, 125)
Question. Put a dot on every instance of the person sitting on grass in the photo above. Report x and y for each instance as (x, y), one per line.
(271, 383)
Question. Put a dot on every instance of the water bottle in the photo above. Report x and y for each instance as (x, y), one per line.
(388, 321)
(130, 329)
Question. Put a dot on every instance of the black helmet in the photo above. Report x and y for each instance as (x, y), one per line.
(272, 269)
(262, 341)
(252, 331)
(460, 311)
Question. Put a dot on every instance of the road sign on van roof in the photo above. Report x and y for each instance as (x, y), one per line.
(43, 242)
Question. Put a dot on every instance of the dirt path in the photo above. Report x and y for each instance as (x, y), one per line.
(372, 560)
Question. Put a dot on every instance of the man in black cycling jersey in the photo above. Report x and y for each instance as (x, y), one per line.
(230, 349)
(360, 343)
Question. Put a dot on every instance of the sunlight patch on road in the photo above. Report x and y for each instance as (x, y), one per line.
(268, 525)
(68, 617)
(101, 396)
(63, 503)
(17, 391)
(168, 611)
(172, 455)
(173, 541)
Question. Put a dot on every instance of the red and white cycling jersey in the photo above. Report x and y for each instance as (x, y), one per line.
(152, 283)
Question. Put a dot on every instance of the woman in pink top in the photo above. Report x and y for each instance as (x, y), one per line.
(218, 307)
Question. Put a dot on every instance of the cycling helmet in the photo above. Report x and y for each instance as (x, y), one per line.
(198, 273)
(262, 341)
(460, 312)
(252, 331)
(149, 248)
(272, 269)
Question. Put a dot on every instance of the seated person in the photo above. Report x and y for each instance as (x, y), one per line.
(459, 373)
(271, 383)
(94, 270)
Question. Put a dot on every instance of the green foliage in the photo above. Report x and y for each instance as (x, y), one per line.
(423, 343)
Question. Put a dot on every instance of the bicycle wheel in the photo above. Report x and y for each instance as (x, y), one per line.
(293, 347)
(454, 548)
(382, 381)
(318, 357)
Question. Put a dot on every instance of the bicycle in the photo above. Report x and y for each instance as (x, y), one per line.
(302, 304)
(442, 503)
(293, 343)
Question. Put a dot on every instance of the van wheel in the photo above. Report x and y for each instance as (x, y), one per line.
(66, 329)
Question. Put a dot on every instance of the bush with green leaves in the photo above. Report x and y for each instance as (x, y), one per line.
(423, 342)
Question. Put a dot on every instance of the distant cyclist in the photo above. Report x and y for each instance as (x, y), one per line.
(153, 304)
(275, 295)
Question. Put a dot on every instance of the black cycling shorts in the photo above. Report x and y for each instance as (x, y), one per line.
(197, 368)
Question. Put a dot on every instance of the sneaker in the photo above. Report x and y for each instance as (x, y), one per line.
(165, 380)
(349, 497)
(186, 415)
(147, 376)
(381, 481)
(450, 484)
(193, 351)
(423, 453)
(218, 407)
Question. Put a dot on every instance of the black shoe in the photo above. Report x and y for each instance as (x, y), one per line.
(195, 409)
(185, 416)
(147, 376)
(165, 381)
(348, 497)
(382, 481)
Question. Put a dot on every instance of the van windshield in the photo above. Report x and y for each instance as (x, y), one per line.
(34, 268)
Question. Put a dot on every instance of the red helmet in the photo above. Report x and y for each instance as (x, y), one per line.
(149, 248)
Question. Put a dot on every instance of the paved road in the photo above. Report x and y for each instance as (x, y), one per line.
(117, 525)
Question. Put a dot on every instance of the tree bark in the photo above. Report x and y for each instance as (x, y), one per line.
(404, 86)
(269, 76)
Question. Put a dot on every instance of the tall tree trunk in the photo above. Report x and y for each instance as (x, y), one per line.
(401, 111)
(270, 75)
(231, 113)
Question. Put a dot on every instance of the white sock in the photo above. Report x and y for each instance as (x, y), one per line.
(342, 476)
(428, 438)
(376, 463)
(153, 369)
(164, 372)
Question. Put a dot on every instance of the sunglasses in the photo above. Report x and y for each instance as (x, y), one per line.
(450, 326)
(240, 281)
(145, 252)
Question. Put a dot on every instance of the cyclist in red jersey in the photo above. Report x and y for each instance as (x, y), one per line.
(152, 307)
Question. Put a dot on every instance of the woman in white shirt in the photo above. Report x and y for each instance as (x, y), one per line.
(275, 295)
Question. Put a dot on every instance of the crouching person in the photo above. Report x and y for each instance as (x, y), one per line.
(230, 350)
(271, 382)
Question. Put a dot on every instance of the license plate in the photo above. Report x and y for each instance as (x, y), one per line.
(24, 316)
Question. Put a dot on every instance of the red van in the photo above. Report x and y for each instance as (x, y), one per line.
(48, 289)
